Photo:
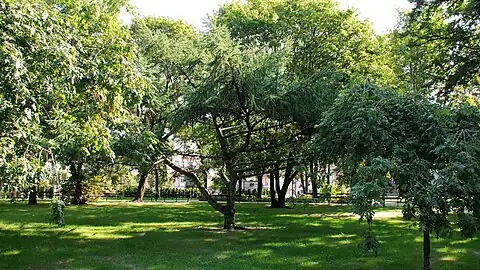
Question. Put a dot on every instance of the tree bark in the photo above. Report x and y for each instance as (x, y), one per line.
(328, 174)
(259, 186)
(426, 250)
(273, 198)
(229, 213)
(141, 186)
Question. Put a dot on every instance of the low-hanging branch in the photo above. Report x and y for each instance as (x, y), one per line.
(217, 206)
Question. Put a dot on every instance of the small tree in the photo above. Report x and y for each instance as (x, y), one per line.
(376, 136)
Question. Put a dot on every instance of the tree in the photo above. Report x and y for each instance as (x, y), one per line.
(375, 136)
(322, 37)
(166, 48)
(441, 43)
(229, 108)
(35, 60)
(69, 73)
(330, 48)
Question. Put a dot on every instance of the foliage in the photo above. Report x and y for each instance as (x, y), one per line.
(58, 214)
(440, 47)
(370, 243)
(376, 136)
(321, 35)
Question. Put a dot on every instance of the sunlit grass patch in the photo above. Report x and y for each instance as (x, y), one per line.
(126, 235)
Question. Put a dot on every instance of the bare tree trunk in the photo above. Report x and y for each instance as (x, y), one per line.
(228, 211)
(259, 186)
(273, 198)
(426, 250)
(141, 186)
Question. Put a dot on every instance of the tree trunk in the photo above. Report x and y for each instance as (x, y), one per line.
(141, 186)
(77, 177)
(328, 174)
(282, 190)
(157, 192)
(281, 199)
(304, 181)
(78, 197)
(259, 186)
(32, 196)
(426, 250)
(229, 213)
(240, 184)
(273, 198)
(314, 172)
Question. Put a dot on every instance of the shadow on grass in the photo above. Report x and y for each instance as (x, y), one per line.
(188, 236)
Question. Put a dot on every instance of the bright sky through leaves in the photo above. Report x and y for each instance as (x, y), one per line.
(382, 13)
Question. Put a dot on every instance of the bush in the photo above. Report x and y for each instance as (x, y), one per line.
(369, 243)
(58, 207)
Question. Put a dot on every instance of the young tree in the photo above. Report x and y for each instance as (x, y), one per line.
(375, 136)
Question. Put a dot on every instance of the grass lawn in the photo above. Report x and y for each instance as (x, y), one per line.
(187, 236)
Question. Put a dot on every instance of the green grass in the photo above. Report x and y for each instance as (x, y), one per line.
(187, 236)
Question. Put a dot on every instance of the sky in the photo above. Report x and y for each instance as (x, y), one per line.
(382, 13)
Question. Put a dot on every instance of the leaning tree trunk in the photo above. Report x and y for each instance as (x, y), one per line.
(259, 186)
(273, 198)
(228, 211)
(426, 250)
(141, 187)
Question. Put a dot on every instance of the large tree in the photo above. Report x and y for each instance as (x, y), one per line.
(439, 47)
(232, 111)
(330, 48)
(165, 51)
(69, 71)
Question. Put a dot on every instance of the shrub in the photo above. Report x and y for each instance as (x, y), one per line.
(58, 207)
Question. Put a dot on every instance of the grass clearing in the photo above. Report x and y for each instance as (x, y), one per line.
(188, 236)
